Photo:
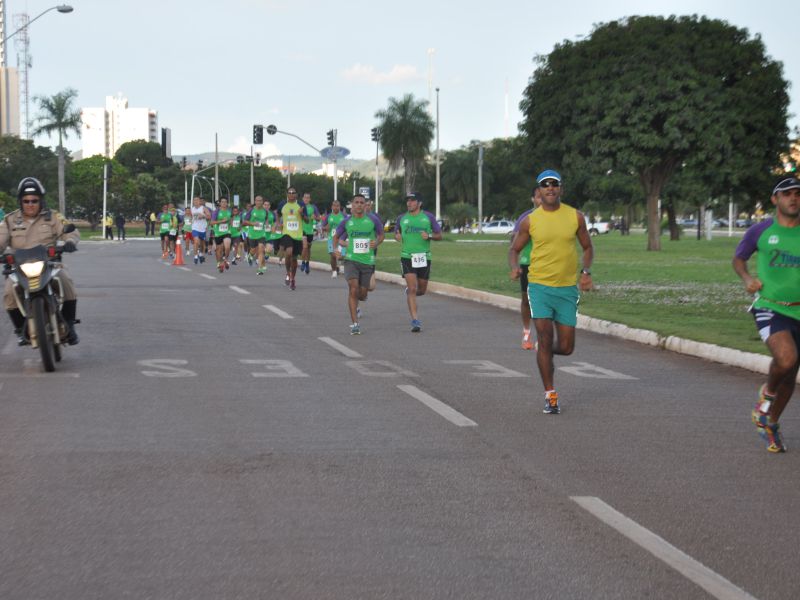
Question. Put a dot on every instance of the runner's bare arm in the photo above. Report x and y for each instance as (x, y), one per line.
(752, 284)
(585, 240)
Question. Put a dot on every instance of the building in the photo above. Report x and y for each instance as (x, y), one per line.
(104, 130)
(9, 101)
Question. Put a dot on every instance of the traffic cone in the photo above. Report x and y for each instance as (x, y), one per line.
(178, 262)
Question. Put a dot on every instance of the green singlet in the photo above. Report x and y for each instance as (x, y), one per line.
(221, 229)
(360, 232)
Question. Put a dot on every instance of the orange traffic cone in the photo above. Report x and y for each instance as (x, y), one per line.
(178, 253)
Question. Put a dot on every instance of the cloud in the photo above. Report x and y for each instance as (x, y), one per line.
(368, 74)
(242, 146)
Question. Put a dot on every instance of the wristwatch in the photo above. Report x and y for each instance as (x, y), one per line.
(585, 272)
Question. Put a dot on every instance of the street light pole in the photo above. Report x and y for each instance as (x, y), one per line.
(438, 161)
(480, 188)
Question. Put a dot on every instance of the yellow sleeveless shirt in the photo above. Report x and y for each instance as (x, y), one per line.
(554, 256)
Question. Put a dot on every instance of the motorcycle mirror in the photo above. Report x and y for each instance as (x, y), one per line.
(69, 228)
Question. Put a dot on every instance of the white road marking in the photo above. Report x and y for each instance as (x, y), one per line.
(488, 368)
(187, 269)
(207, 276)
(27, 375)
(274, 368)
(364, 367)
(239, 290)
(584, 369)
(170, 368)
(278, 311)
(438, 406)
(694, 571)
(340, 347)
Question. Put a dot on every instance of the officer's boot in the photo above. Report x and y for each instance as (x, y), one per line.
(19, 326)
(68, 311)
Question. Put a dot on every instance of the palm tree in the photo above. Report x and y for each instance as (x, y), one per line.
(406, 131)
(58, 115)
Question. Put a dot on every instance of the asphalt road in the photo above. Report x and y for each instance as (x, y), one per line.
(199, 445)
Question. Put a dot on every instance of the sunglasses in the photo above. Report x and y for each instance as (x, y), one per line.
(550, 183)
(30, 202)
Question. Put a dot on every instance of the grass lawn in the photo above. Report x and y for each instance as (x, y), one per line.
(688, 289)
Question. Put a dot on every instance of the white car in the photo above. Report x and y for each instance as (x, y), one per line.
(501, 227)
(598, 227)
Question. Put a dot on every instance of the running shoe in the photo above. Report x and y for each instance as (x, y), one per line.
(551, 404)
(760, 413)
(771, 435)
(334, 274)
(233, 262)
(308, 269)
(163, 255)
(220, 267)
(260, 272)
(227, 265)
(286, 281)
(292, 285)
(249, 260)
(416, 325)
(202, 259)
(355, 329)
(527, 344)
(196, 259)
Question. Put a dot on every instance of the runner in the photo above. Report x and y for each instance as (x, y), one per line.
(164, 220)
(363, 236)
(522, 274)
(257, 221)
(414, 230)
(200, 218)
(174, 228)
(552, 290)
(186, 229)
(329, 224)
(309, 225)
(291, 216)
(236, 233)
(221, 222)
(777, 305)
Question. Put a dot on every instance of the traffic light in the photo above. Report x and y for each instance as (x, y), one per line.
(199, 163)
(258, 134)
(376, 134)
(331, 137)
(183, 162)
(257, 161)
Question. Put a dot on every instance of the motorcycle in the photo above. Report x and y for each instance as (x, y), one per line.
(39, 296)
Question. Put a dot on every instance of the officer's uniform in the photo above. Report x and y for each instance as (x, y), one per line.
(45, 229)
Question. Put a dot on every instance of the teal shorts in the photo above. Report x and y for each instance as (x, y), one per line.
(559, 304)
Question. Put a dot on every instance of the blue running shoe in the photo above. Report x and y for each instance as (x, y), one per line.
(416, 325)
(551, 404)
(355, 329)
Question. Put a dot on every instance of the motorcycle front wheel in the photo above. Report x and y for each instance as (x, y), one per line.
(41, 318)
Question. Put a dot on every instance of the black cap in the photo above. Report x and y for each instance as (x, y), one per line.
(414, 196)
(788, 183)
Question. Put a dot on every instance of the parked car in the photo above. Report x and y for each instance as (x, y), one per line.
(598, 227)
(501, 227)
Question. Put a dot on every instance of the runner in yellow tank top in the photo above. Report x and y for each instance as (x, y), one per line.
(552, 276)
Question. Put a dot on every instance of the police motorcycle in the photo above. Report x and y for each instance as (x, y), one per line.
(39, 296)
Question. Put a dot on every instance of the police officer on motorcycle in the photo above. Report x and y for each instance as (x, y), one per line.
(34, 224)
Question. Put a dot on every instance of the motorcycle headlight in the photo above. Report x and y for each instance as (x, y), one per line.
(32, 269)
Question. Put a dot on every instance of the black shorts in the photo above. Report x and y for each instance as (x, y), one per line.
(523, 279)
(171, 237)
(254, 244)
(164, 235)
(219, 240)
(288, 241)
(420, 272)
(769, 322)
(309, 238)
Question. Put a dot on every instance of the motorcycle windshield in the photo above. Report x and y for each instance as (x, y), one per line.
(24, 255)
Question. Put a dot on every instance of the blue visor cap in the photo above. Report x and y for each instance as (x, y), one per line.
(549, 174)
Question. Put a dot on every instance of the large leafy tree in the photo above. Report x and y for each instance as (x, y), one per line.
(141, 156)
(648, 94)
(21, 158)
(86, 187)
(406, 135)
(58, 115)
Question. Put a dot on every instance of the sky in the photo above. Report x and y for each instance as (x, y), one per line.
(308, 66)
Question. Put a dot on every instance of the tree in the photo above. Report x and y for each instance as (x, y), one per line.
(406, 135)
(648, 94)
(21, 158)
(58, 116)
(86, 187)
(140, 156)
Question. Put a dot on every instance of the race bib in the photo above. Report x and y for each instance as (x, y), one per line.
(258, 227)
(223, 227)
(292, 226)
(237, 223)
(361, 246)
(419, 260)
(173, 231)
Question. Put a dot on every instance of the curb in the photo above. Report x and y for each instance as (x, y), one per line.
(750, 361)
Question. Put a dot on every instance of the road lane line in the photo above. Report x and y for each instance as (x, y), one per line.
(207, 276)
(239, 290)
(278, 311)
(694, 571)
(340, 347)
(28, 375)
(438, 406)
(187, 269)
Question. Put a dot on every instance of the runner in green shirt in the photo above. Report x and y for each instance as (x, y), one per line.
(221, 223)
(291, 216)
(363, 235)
(236, 233)
(329, 224)
(414, 230)
(777, 305)
(256, 220)
(309, 227)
